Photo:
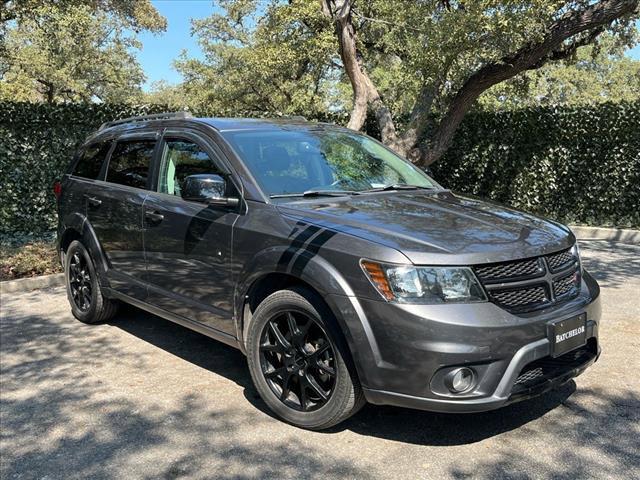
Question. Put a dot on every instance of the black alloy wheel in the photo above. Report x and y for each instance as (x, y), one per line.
(88, 304)
(80, 281)
(298, 361)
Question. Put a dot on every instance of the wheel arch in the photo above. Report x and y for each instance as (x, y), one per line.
(264, 275)
(77, 227)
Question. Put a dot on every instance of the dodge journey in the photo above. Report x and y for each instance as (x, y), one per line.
(344, 273)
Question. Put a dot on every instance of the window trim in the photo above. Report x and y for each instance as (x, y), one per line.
(210, 148)
(80, 153)
(153, 135)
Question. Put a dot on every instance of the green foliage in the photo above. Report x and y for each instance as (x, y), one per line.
(73, 51)
(575, 164)
(596, 74)
(37, 142)
(274, 58)
(284, 57)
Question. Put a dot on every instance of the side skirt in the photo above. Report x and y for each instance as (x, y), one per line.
(185, 322)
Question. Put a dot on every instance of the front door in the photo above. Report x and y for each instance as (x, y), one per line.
(114, 209)
(188, 244)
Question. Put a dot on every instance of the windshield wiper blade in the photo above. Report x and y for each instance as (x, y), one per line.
(398, 186)
(329, 193)
(317, 193)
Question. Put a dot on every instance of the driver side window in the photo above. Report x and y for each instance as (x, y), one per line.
(181, 158)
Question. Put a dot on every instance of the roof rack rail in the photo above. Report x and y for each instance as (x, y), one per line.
(144, 118)
(293, 117)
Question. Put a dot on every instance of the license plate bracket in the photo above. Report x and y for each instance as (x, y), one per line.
(568, 334)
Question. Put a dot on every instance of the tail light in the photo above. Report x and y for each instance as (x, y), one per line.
(57, 189)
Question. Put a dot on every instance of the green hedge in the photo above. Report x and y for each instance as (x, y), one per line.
(578, 165)
(36, 145)
(574, 164)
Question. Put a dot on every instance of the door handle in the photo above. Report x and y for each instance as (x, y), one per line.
(93, 201)
(153, 217)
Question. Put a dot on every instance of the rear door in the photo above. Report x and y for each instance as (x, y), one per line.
(188, 244)
(114, 208)
(83, 177)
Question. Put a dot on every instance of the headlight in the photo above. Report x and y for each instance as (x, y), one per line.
(430, 285)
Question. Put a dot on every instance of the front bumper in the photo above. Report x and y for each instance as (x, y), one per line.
(401, 350)
(503, 395)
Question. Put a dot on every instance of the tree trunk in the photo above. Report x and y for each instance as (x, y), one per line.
(592, 19)
(531, 56)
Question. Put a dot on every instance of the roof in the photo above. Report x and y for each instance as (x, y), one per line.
(221, 124)
(226, 124)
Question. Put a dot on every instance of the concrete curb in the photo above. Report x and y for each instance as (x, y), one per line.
(32, 283)
(612, 234)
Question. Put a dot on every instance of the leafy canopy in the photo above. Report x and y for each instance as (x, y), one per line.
(73, 51)
(418, 66)
(597, 73)
(273, 56)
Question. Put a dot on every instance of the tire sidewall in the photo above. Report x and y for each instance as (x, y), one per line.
(298, 301)
(88, 315)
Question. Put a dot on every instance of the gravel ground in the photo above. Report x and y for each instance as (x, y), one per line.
(140, 397)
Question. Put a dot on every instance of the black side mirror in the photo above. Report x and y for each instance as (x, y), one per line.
(207, 188)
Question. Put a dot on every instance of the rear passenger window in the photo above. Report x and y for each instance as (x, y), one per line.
(91, 160)
(129, 164)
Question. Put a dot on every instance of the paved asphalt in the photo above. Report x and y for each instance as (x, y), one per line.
(140, 397)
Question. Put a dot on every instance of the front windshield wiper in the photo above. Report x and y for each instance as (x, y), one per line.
(317, 193)
(398, 186)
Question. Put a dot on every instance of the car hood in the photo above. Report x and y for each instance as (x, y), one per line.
(436, 227)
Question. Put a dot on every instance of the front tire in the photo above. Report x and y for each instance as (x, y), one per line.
(299, 362)
(83, 290)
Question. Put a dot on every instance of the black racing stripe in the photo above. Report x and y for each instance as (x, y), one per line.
(311, 251)
(296, 244)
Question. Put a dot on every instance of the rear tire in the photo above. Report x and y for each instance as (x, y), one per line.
(88, 304)
(306, 378)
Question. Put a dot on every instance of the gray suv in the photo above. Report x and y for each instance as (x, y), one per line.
(344, 273)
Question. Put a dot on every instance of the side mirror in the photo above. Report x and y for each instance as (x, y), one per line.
(207, 188)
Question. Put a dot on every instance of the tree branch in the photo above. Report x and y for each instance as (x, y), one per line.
(593, 17)
(364, 91)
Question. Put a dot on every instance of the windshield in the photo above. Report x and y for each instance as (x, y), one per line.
(290, 163)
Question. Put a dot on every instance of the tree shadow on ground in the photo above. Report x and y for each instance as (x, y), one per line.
(379, 421)
(607, 424)
(61, 420)
(597, 259)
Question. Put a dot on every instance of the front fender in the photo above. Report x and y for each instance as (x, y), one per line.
(328, 282)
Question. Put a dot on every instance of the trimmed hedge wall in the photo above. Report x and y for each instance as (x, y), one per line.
(37, 142)
(574, 164)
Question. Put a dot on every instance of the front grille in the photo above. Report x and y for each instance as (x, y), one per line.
(561, 260)
(521, 297)
(565, 285)
(509, 270)
(532, 283)
(548, 368)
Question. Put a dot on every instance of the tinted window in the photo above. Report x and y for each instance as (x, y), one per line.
(180, 159)
(129, 164)
(91, 160)
(292, 162)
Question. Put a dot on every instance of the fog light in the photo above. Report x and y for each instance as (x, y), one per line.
(460, 380)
